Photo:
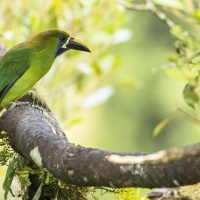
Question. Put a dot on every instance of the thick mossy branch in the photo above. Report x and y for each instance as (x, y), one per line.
(37, 136)
(34, 136)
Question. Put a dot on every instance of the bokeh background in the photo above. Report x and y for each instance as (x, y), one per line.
(113, 98)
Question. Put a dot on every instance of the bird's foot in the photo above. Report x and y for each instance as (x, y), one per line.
(9, 104)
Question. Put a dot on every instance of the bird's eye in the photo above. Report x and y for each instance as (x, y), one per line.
(62, 38)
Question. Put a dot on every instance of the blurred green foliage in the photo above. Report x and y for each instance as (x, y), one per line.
(164, 40)
(143, 69)
(77, 75)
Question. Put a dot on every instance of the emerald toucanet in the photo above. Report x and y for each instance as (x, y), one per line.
(26, 63)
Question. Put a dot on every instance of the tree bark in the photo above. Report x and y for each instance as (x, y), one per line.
(38, 137)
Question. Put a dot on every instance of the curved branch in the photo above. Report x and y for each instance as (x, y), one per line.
(33, 135)
(38, 137)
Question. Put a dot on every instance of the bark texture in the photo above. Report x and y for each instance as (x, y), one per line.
(36, 136)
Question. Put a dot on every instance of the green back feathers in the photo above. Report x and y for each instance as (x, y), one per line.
(38, 53)
(9, 73)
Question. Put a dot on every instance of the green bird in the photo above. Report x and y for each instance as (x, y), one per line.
(26, 63)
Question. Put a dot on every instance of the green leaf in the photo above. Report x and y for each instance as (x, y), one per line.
(38, 193)
(175, 73)
(190, 95)
(3, 133)
(47, 179)
(129, 193)
(162, 124)
(75, 121)
(197, 14)
(128, 81)
(9, 177)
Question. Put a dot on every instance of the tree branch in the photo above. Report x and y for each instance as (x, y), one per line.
(37, 136)
(32, 135)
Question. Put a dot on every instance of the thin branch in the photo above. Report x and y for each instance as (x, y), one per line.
(150, 6)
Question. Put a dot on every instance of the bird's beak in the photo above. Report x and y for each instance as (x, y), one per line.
(77, 44)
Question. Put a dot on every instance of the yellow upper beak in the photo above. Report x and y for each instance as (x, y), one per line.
(77, 44)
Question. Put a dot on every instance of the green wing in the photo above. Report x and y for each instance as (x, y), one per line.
(13, 65)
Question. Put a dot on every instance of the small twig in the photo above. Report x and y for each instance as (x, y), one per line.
(150, 6)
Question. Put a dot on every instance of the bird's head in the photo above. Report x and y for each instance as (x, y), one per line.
(58, 41)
